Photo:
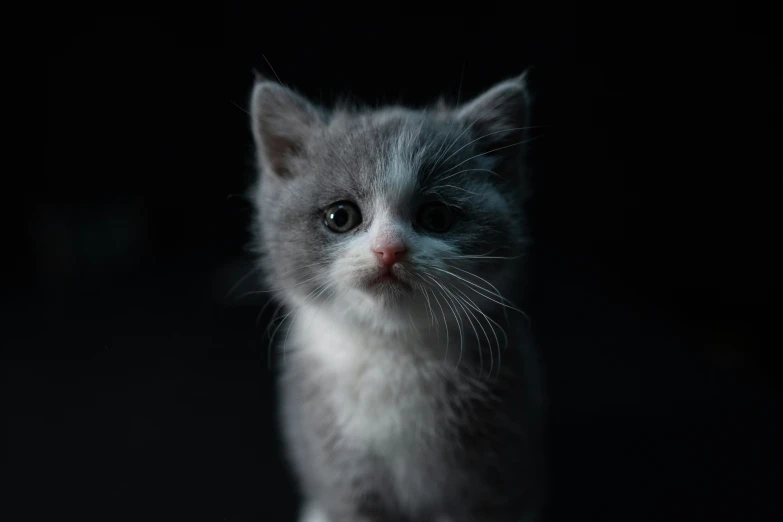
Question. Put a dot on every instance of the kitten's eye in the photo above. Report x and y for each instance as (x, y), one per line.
(342, 217)
(435, 217)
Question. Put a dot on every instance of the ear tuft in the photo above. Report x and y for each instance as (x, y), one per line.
(499, 117)
(257, 76)
(282, 122)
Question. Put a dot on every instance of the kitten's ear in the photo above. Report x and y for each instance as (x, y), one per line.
(282, 123)
(499, 117)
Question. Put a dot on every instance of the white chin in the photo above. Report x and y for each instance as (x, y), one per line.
(374, 305)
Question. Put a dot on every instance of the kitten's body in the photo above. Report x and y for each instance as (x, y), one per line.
(400, 399)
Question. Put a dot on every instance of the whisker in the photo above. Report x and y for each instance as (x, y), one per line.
(445, 324)
(448, 132)
(484, 257)
(256, 269)
(320, 305)
(497, 292)
(490, 152)
(239, 107)
(268, 328)
(498, 295)
(438, 162)
(418, 286)
(490, 322)
(273, 70)
(488, 253)
(241, 280)
(434, 322)
(432, 190)
(440, 152)
(447, 203)
(274, 334)
(471, 170)
(489, 343)
(468, 313)
(489, 319)
(498, 302)
(318, 263)
(286, 316)
(456, 317)
(253, 292)
(486, 136)
(459, 328)
(261, 313)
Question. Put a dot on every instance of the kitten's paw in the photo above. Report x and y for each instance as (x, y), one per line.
(311, 513)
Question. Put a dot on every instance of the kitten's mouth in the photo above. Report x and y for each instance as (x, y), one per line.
(388, 279)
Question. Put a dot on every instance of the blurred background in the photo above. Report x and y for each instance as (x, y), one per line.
(135, 388)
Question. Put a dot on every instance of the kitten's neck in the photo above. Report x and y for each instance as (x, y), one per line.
(327, 335)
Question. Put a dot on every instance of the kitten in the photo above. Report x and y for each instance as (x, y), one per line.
(393, 238)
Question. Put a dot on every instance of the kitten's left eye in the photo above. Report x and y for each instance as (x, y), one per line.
(342, 217)
(435, 217)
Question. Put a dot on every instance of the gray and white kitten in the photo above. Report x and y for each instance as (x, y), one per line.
(393, 238)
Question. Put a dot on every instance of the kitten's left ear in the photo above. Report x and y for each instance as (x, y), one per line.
(283, 122)
(499, 117)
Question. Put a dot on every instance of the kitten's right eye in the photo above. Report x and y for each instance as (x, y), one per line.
(342, 217)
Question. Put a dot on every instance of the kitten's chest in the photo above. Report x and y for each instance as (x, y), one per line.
(382, 395)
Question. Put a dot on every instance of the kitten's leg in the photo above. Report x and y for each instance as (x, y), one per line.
(312, 513)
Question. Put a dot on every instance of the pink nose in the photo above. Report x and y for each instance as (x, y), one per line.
(389, 253)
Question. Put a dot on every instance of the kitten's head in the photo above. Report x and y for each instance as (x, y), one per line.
(381, 214)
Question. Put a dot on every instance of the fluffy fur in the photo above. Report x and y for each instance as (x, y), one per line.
(414, 400)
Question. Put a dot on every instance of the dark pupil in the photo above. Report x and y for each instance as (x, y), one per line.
(436, 219)
(340, 217)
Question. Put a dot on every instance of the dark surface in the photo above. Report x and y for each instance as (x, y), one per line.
(136, 390)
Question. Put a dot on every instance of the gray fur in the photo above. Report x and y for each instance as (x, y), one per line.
(459, 441)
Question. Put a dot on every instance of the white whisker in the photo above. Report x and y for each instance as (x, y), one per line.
(435, 322)
(268, 328)
(456, 317)
(484, 257)
(490, 322)
(489, 152)
(471, 288)
(273, 70)
(445, 324)
(497, 292)
(486, 136)
(286, 316)
(276, 290)
(470, 170)
(468, 313)
(498, 295)
(241, 280)
(448, 132)
(432, 190)
(437, 163)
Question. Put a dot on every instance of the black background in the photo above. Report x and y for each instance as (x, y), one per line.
(136, 390)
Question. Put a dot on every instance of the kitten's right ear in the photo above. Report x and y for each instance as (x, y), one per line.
(282, 123)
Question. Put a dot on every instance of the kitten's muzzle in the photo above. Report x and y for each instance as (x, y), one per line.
(389, 253)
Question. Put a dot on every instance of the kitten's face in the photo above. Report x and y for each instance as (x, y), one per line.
(383, 216)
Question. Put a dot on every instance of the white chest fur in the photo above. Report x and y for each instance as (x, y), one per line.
(382, 393)
(385, 397)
